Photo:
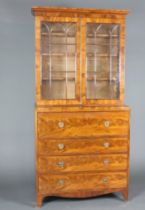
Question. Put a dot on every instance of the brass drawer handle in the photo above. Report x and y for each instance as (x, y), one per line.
(105, 180)
(106, 162)
(60, 182)
(61, 124)
(106, 123)
(106, 144)
(60, 146)
(60, 164)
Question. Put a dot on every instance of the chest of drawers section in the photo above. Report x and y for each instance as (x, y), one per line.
(90, 148)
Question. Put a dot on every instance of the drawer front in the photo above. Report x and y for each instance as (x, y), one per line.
(81, 163)
(53, 183)
(82, 146)
(92, 124)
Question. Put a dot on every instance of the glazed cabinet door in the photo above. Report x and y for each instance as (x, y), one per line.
(58, 60)
(103, 48)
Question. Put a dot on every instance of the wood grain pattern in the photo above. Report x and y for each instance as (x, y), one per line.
(62, 11)
(71, 135)
(82, 194)
(82, 163)
(83, 146)
(51, 183)
(37, 58)
(81, 109)
(92, 16)
(82, 125)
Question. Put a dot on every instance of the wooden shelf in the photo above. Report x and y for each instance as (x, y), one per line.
(102, 36)
(73, 79)
(59, 54)
(59, 79)
(101, 79)
(98, 44)
(62, 71)
(95, 72)
(58, 35)
(101, 55)
(61, 44)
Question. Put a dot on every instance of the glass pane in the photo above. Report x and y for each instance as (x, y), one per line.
(58, 60)
(102, 61)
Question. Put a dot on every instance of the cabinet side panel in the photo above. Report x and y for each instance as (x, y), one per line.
(37, 57)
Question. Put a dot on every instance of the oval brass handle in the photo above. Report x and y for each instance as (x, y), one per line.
(60, 182)
(105, 180)
(106, 144)
(61, 124)
(106, 162)
(60, 146)
(106, 123)
(60, 164)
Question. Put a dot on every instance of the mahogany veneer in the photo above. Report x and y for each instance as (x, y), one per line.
(82, 125)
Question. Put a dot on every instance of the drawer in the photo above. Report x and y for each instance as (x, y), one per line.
(88, 124)
(53, 183)
(82, 146)
(80, 163)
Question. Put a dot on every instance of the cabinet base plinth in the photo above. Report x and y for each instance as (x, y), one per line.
(84, 194)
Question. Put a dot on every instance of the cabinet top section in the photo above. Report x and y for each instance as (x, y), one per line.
(43, 11)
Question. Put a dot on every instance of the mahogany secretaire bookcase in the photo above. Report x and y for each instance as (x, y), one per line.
(82, 125)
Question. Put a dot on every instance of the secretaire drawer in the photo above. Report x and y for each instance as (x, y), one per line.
(81, 181)
(82, 124)
(82, 146)
(81, 163)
